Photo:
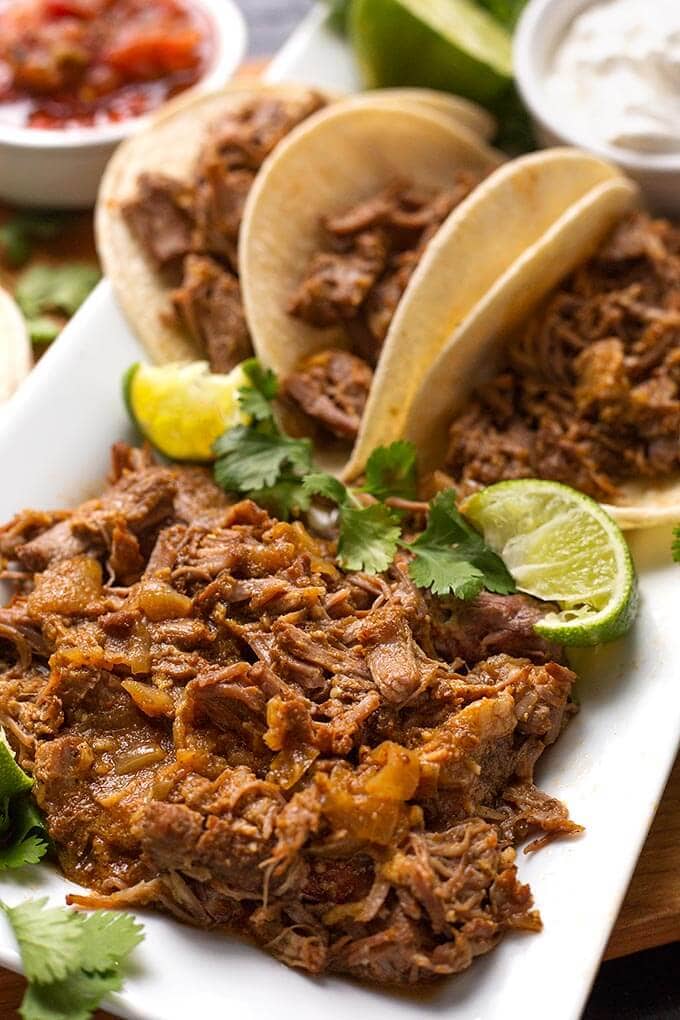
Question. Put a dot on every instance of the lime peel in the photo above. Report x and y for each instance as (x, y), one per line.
(561, 546)
(181, 409)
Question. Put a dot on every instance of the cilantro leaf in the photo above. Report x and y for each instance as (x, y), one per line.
(444, 573)
(321, 484)
(249, 459)
(675, 548)
(391, 471)
(286, 499)
(23, 839)
(63, 288)
(256, 400)
(72, 960)
(43, 329)
(18, 233)
(108, 938)
(450, 557)
(76, 997)
(50, 939)
(369, 537)
(28, 850)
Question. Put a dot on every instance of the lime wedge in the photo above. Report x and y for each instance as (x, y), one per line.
(183, 409)
(13, 780)
(561, 546)
(452, 45)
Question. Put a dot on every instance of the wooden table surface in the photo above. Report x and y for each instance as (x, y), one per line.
(650, 915)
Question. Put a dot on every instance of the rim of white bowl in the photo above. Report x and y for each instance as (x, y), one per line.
(527, 57)
(230, 36)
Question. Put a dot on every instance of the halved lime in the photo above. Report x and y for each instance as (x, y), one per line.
(183, 409)
(561, 546)
(452, 45)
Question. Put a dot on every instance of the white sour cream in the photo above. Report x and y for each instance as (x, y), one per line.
(615, 75)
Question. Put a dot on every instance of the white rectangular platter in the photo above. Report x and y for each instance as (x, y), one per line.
(610, 766)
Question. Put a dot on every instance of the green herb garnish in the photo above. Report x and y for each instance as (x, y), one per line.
(260, 461)
(450, 557)
(23, 838)
(368, 535)
(675, 547)
(72, 960)
(18, 233)
(43, 292)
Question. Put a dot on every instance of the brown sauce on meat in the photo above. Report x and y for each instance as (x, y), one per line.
(591, 392)
(225, 726)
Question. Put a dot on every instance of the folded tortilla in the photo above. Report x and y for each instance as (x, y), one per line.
(474, 350)
(342, 156)
(171, 144)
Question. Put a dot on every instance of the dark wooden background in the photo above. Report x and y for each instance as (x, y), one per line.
(644, 986)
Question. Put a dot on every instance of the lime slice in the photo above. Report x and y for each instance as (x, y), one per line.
(561, 546)
(451, 45)
(183, 409)
(13, 780)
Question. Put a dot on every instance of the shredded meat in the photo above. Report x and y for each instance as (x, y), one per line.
(224, 725)
(189, 231)
(374, 249)
(332, 388)
(591, 394)
(210, 307)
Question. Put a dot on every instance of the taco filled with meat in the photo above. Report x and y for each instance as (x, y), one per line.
(338, 279)
(333, 231)
(569, 369)
(169, 213)
(171, 203)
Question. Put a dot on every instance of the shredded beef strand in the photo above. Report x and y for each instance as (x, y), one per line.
(591, 394)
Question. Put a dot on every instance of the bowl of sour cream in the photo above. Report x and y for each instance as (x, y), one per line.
(605, 75)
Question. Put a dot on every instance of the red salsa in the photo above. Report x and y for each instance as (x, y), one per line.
(73, 63)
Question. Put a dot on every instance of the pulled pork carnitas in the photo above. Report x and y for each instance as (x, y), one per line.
(373, 249)
(591, 393)
(224, 725)
(189, 230)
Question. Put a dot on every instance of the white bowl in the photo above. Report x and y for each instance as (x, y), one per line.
(540, 28)
(61, 169)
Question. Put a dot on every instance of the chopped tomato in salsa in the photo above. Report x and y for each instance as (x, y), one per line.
(70, 63)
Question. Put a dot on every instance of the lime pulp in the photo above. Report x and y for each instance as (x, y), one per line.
(561, 546)
(181, 409)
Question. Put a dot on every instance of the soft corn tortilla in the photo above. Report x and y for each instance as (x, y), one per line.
(171, 145)
(475, 349)
(340, 157)
(15, 347)
(481, 241)
(468, 114)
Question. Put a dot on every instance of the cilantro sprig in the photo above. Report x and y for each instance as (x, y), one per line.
(23, 838)
(260, 461)
(368, 535)
(19, 232)
(450, 557)
(675, 547)
(49, 295)
(72, 960)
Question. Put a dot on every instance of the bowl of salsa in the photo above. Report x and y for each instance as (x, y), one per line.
(77, 76)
